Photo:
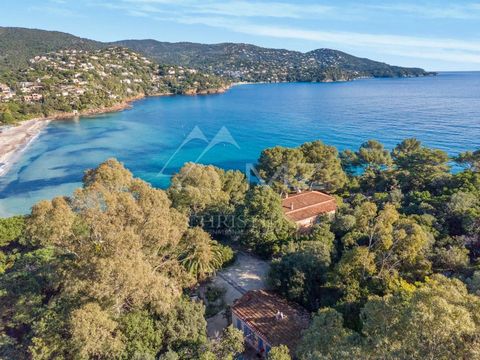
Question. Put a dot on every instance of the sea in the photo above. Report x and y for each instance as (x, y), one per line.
(158, 135)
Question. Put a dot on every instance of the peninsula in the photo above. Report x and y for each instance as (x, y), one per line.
(47, 75)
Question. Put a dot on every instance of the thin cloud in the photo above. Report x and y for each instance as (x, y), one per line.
(346, 38)
(360, 39)
(450, 56)
(444, 49)
(55, 11)
(235, 8)
(468, 11)
(240, 17)
(270, 9)
(276, 9)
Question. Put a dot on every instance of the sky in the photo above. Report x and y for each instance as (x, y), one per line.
(435, 35)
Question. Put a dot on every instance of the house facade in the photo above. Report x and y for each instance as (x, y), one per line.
(267, 320)
(304, 208)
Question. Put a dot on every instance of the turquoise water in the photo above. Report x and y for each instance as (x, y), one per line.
(442, 111)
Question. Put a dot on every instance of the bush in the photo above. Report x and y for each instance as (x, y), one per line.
(228, 255)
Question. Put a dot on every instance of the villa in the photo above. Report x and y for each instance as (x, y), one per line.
(304, 208)
(268, 320)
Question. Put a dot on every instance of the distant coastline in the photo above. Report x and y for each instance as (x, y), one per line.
(339, 114)
(14, 139)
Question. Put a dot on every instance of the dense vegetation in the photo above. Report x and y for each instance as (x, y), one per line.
(46, 72)
(246, 62)
(103, 274)
(69, 81)
(18, 45)
(394, 274)
(242, 62)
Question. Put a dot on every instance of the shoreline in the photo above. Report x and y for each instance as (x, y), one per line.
(15, 139)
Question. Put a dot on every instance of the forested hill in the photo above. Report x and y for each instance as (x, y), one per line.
(253, 63)
(240, 62)
(18, 45)
(79, 81)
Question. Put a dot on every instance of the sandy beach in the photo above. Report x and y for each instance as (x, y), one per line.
(13, 140)
(16, 138)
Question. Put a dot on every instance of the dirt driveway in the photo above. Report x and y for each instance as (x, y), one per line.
(247, 273)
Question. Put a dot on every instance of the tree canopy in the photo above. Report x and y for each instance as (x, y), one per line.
(405, 225)
(264, 227)
(311, 164)
(394, 274)
(103, 275)
(434, 320)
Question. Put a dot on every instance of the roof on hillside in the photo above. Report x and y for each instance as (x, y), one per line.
(307, 204)
(259, 309)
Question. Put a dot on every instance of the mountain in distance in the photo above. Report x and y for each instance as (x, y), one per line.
(247, 62)
(238, 62)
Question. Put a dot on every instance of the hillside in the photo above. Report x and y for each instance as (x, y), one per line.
(80, 81)
(238, 62)
(253, 63)
(18, 45)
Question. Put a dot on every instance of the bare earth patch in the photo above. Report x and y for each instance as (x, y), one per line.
(247, 273)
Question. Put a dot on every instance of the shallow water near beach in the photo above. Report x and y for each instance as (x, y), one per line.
(158, 135)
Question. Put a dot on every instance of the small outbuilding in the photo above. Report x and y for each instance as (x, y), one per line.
(268, 320)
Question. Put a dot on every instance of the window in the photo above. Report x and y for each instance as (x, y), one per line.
(239, 324)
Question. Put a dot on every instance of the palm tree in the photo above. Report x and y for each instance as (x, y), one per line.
(200, 255)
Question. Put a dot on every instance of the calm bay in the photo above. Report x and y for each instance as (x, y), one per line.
(158, 135)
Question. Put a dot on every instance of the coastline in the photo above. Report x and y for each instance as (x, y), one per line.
(16, 138)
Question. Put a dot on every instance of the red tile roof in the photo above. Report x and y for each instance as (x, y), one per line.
(258, 308)
(308, 204)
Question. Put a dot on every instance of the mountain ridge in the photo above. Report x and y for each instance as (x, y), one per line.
(249, 62)
(18, 45)
(236, 61)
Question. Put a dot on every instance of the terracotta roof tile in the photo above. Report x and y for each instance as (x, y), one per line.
(258, 308)
(308, 204)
